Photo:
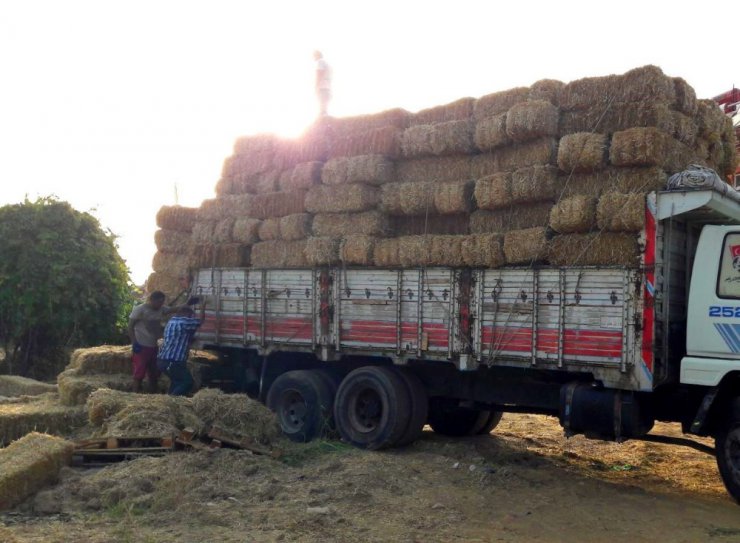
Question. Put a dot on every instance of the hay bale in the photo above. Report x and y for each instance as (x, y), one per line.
(338, 225)
(234, 206)
(434, 169)
(386, 253)
(357, 250)
(232, 255)
(446, 251)
(498, 102)
(526, 246)
(483, 250)
(222, 230)
(303, 176)
(15, 385)
(344, 126)
(202, 255)
(575, 214)
(279, 254)
(341, 198)
(379, 141)
(178, 218)
(648, 147)
(311, 146)
(509, 218)
(202, 232)
(434, 224)
(453, 138)
(75, 387)
(236, 414)
(493, 191)
(546, 89)
(269, 229)
(531, 120)
(170, 263)
(503, 159)
(491, 133)
(595, 249)
(368, 169)
(614, 180)
(407, 198)
(621, 212)
(104, 359)
(278, 204)
(322, 251)
(459, 110)
(414, 250)
(710, 118)
(296, 226)
(685, 97)
(171, 285)
(451, 198)
(269, 181)
(29, 464)
(582, 152)
(616, 117)
(254, 144)
(172, 241)
(534, 184)
(246, 230)
(41, 413)
(416, 141)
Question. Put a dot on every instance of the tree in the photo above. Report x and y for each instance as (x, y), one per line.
(62, 285)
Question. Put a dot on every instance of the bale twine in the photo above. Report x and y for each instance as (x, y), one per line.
(279, 254)
(246, 230)
(178, 218)
(278, 204)
(295, 227)
(369, 169)
(303, 176)
(380, 141)
(525, 246)
(172, 241)
(648, 147)
(414, 250)
(434, 169)
(483, 250)
(531, 120)
(222, 230)
(536, 152)
(459, 110)
(269, 230)
(170, 284)
(233, 255)
(685, 97)
(490, 133)
(573, 215)
(386, 253)
(451, 198)
(546, 89)
(357, 250)
(582, 152)
(493, 191)
(434, 224)
(337, 225)
(595, 249)
(171, 263)
(453, 138)
(618, 212)
(534, 184)
(498, 102)
(322, 251)
(416, 141)
(341, 198)
(407, 198)
(446, 251)
(509, 218)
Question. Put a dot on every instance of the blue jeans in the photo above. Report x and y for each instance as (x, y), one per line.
(181, 382)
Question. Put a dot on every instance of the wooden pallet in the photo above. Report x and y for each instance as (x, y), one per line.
(100, 452)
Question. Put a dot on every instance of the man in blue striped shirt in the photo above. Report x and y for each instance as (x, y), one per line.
(173, 355)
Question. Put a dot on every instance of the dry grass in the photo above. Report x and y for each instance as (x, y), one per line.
(582, 152)
(531, 120)
(357, 250)
(483, 250)
(386, 253)
(41, 413)
(534, 184)
(341, 198)
(525, 246)
(368, 169)
(459, 110)
(279, 254)
(246, 230)
(434, 169)
(573, 215)
(172, 241)
(490, 133)
(295, 227)
(338, 225)
(510, 218)
(15, 385)
(322, 251)
(618, 212)
(595, 249)
(499, 102)
(177, 218)
(408, 198)
(277, 204)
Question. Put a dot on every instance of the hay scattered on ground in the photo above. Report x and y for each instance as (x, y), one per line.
(582, 152)
(575, 214)
(29, 464)
(357, 250)
(526, 246)
(322, 251)
(15, 385)
(341, 198)
(337, 225)
(618, 212)
(177, 218)
(42, 413)
(531, 120)
(483, 250)
(368, 169)
(595, 249)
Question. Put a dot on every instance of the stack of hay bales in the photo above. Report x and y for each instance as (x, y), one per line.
(170, 262)
(41, 413)
(107, 366)
(553, 173)
(14, 385)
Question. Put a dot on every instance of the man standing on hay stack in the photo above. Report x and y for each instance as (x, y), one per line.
(323, 83)
(173, 357)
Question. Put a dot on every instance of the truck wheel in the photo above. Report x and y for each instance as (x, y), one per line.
(372, 408)
(456, 421)
(419, 407)
(302, 402)
(493, 419)
(727, 449)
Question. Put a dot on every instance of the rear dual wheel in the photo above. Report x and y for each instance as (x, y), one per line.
(303, 401)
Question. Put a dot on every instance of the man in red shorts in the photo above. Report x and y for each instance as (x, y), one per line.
(144, 329)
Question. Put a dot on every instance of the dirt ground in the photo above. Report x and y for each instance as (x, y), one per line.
(524, 482)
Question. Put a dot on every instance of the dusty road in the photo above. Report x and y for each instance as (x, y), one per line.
(524, 482)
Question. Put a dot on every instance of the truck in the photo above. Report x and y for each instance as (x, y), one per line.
(377, 354)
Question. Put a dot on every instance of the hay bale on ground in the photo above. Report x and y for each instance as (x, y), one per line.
(433, 224)
(171, 285)
(483, 250)
(368, 169)
(618, 212)
(341, 198)
(648, 147)
(303, 176)
(295, 227)
(451, 198)
(595, 249)
(178, 218)
(29, 464)
(322, 251)
(518, 217)
(453, 138)
(15, 385)
(269, 229)
(38, 414)
(546, 89)
(104, 359)
(246, 230)
(277, 204)
(279, 254)
(222, 230)
(575, 214)
(172, 241)
(526, 246)
(493, 191)
(434, 169)
(75, 387)
(504, 159)
(582, 152)
(386, 253)
(531, 120)
(407, 198)
(534, 184)
(357, 250)
(337, 225)
(459, 110)
(499, 102)
(491, 133)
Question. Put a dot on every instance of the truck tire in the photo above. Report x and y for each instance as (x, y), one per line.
(456, 421)
(419, 407)
(493, 419)
(727, 450)
(372, 408)
(302, 401)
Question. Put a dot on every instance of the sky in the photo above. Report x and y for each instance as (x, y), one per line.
(122, 107)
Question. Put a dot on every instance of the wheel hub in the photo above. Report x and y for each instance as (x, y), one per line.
(293, 410)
